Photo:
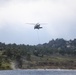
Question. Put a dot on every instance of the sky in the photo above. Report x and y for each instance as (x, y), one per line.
(59, 17)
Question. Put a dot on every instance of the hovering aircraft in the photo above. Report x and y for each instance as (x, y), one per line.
(37, 25)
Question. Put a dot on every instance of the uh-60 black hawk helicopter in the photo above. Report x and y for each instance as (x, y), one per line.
(37, 25)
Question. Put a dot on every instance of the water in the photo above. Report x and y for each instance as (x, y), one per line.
(38, 72)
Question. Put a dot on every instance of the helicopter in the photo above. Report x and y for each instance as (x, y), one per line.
(37, 25)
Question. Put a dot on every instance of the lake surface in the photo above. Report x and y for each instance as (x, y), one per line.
(38, 72)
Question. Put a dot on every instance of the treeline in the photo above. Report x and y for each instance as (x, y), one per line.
(61, 47)
(58, 47)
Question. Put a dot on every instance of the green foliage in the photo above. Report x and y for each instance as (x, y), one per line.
(5, 66)
(28, 57)
(19, 53)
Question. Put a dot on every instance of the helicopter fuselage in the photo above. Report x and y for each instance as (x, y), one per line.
(37, 26)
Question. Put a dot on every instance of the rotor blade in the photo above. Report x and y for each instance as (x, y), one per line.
(31, 23)
(43, 23)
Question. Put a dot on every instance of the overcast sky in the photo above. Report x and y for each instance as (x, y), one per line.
(59, 16)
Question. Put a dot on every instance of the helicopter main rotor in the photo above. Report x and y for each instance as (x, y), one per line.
(37, 25)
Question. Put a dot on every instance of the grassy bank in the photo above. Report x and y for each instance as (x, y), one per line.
(45, 62)
(49, 62)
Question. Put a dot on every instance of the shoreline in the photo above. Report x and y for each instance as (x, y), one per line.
(42, 70)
